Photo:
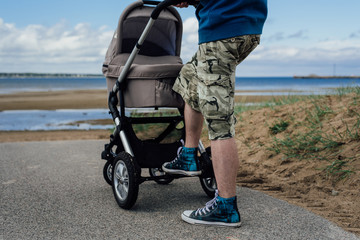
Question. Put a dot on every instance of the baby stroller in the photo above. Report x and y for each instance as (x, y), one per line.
(141, 65)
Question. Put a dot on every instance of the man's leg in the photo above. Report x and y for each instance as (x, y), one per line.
(224, 153)
(222, 210)
(225, 163)
(216, 101)
(186, 162)
(193, 126)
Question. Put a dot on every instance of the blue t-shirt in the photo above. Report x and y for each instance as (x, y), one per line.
(221, 19)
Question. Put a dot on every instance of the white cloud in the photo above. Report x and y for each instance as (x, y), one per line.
(318, 58)
(190, 25)
(338, 45)
(279, 55)
(82, 48)
(190, 38)
(35, 45)
(355, 34)
(299, 35)
(322, 51)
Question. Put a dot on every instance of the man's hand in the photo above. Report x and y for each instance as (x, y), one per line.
(186, 4)
(182, 5)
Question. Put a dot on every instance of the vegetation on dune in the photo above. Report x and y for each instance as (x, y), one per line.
(317, 131)
(305, 150)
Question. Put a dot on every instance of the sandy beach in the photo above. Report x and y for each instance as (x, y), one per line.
(77, 99)
(302, 182)
(70, 99)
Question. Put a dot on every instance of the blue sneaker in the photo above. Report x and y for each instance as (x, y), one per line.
(185, 163)
(219, 211)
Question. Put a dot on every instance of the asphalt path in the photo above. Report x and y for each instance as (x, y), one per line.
(55, 190)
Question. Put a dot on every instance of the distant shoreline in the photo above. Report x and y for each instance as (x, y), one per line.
(327, 77)
(73, 75)
(48, 75)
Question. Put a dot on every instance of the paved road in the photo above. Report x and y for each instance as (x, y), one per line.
(55, 190)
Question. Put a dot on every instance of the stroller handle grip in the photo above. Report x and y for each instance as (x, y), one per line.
(150, 2)
(164, 4)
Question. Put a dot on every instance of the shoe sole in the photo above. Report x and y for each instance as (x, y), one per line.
(181, 172)
(201, 222)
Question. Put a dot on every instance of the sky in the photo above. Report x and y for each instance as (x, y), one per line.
(71, 36)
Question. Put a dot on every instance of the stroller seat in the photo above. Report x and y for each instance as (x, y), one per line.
(146, 66)
(149, 80)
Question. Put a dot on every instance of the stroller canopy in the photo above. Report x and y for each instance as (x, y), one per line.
(158, 63)
(163, 39)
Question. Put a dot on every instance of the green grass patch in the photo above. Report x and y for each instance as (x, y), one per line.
(316, 144)
(279, 127)
(305, 145)
(338, 169)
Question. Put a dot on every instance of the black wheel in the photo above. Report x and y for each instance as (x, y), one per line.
(107, 172)
(119, 148)
(207, 180)
(125, 183)
(209, 185)
(154, 172)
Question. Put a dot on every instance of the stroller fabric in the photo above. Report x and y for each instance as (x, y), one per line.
(154, 70)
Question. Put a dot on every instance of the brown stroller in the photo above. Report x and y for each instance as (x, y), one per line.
(141, 65)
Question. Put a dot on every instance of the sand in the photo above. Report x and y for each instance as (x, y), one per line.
(74, 99)
(25, 136)
(79, 99)
(301, 182)
(305, 182)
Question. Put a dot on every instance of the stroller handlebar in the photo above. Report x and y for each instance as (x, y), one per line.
(164, 4)
(150, 2)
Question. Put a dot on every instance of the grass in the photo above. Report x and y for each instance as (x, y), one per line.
(351, 133)
(305, 145)
(313, 142)
(279, 127)
(273, 103)
(342, 91)
(336, 168)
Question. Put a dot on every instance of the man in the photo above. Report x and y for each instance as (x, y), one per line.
(228, 31)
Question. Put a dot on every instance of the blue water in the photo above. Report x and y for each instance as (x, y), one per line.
(288, 83)
(11, 85)
(62, 119)
(33, 120)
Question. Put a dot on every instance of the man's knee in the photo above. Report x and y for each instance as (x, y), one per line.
(221, 128)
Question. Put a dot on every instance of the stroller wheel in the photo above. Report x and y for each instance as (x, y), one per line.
(107, 172)
(125, 183)
(207, 180)
(209, 185)
(156, 172)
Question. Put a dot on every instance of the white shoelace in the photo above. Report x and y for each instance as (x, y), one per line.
(208, 206)
(179, 151)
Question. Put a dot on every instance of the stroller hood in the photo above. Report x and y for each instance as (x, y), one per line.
(163, 39)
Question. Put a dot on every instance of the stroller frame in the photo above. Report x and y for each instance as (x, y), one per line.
(123, 167)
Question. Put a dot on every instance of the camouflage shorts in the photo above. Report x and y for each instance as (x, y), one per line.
(207, 82)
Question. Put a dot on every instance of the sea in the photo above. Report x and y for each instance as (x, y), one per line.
(68, 119)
